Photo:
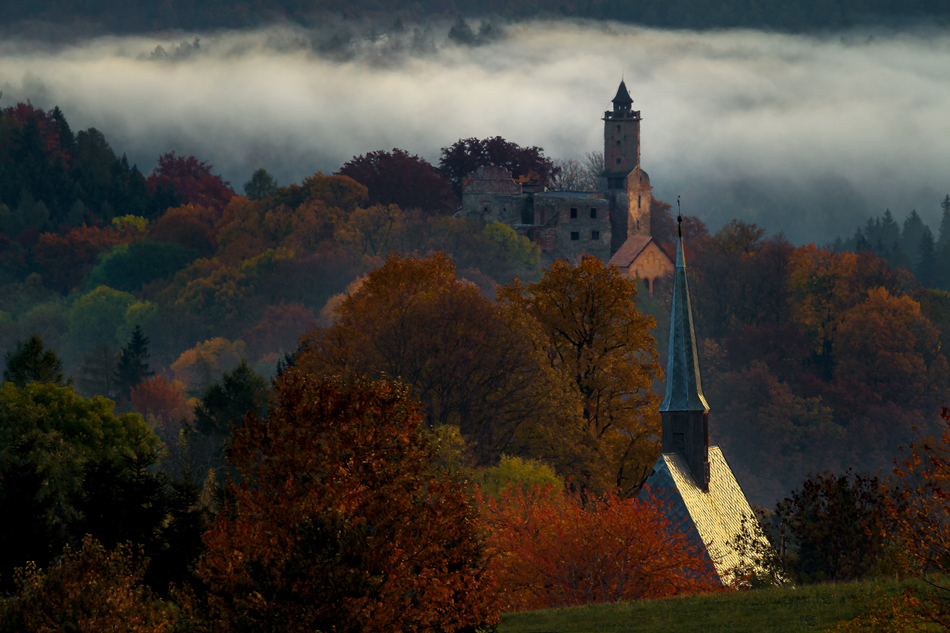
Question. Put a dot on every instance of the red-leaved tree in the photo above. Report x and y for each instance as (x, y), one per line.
(403, 179)
(553, 549)
(338, 522)
(191, 180)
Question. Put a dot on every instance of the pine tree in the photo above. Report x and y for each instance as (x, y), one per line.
(34, 363)
(97, 374)
(132, 366)
(911, 234)
(943, 237)
(926, 259)
(239, 392)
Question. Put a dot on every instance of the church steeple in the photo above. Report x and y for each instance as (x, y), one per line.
(684, 412)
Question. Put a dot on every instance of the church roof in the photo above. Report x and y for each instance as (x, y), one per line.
(684, 390)
(623, 95)
(630, 250)
(713, 517)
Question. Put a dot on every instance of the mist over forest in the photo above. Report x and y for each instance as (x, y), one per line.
(806, 134)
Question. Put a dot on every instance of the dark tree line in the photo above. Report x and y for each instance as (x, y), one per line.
(800, 15)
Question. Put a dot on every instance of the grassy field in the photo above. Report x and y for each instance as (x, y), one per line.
(811, 608)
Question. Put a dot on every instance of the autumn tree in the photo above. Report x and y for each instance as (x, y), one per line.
(191, 180)
(335, 520)
(552, 549)
(594, 336)
(528, 164)
(918, 525)
(403, 179)
(161, 402)
(469, 362)
(88, 590)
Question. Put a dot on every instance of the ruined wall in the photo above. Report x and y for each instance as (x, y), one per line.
(581, 223)
(639, 197)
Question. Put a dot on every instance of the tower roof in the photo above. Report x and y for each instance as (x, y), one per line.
(623, 95)
(684, 390)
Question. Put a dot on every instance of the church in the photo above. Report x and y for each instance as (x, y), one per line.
(693, 480)
(612, 223)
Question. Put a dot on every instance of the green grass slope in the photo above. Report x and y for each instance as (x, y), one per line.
(811, 608)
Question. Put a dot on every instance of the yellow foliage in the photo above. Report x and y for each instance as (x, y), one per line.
(204, 363)
(600, 343)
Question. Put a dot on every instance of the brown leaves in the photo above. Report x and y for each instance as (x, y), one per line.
(601, 346)
(88, 591)
(336, 521)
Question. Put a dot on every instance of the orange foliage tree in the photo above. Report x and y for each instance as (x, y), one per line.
(469, 362)
(65, 259)
(553, 549)
(337, 521)
(162, 401)
(279, 329)
(918, 527)
(88, 591)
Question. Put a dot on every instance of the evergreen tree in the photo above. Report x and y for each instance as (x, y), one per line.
(97, 374)
(132, 364)
(942, 266)
(911, 234)
(890, 229)
(943, 237)
(926, 259)
(239, 392)
(34, 363)
(261, 185)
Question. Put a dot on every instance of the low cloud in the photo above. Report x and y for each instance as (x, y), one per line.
(806, 135)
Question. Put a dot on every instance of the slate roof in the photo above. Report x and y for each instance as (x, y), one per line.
(623, 95)
(629, 251)
(712, 517)
(684, 389)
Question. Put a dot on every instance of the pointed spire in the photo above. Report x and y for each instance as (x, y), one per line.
(684, 391)
(623, 96)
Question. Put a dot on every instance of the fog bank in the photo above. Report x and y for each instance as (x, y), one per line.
(806, 135)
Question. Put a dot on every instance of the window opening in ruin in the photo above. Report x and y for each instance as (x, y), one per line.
(575, 236)
(595, 235)
(573, 212)
(593, 213)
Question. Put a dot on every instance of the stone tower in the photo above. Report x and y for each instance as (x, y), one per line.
(621, 136)
(626, 184)
(684, 412)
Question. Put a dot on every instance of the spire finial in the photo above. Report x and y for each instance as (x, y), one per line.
(679, 218)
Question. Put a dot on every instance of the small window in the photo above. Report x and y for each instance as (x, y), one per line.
(619, 160)
(573, 212)
(595, 235)
(593, 213)
(618, 142)
(618, 128)
(679, 443)
(575, 236)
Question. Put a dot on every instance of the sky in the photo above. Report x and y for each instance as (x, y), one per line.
(807, 135)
